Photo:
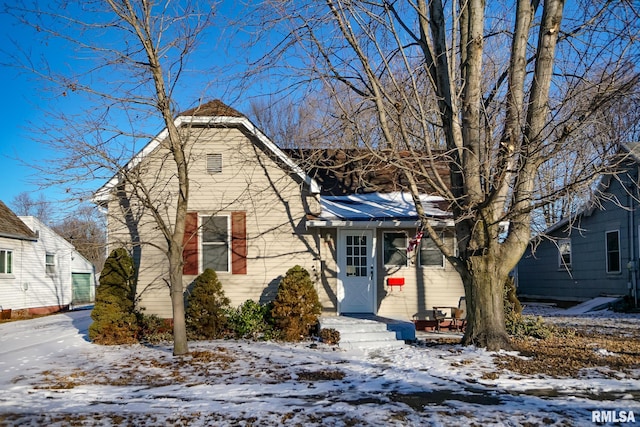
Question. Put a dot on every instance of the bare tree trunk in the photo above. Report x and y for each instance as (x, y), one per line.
(435, 78)
(180, 345)
(484, 289)
(139, 50)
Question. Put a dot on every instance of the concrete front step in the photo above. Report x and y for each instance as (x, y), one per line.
(361, 333)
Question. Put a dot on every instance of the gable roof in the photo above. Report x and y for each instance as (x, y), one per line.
(215, 108)
(214, 114)
(12, 227)
(343, 172)
(627, 151)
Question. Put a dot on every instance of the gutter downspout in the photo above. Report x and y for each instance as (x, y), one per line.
(630, 237)
(632, 266)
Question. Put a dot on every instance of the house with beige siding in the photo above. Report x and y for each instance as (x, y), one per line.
(254, 212)
(40, 272)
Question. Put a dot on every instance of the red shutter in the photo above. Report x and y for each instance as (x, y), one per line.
(190, 243)
(238, 243)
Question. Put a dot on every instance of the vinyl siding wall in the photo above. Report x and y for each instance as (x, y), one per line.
(30, 286)
(12, 295)
(250, 182)
(424, 288)
(539, 275)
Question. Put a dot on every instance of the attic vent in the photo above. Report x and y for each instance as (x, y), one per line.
(214, 163)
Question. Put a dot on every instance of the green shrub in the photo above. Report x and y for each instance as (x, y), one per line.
(114, 319)
(153, 329)
(251, 320)
(330, 336)
(296, 307)
(207, 306)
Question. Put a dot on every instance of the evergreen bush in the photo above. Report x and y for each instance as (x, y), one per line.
(154, 330)
(251, 320)
(330, 336)
(207, 307)
(296, 307)
(114, 318)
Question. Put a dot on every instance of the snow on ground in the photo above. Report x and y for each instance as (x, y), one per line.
(51, 375)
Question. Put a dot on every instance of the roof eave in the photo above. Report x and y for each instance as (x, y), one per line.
(376, 223)
(19, 237)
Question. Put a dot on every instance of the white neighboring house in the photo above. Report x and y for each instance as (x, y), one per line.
(40, 272)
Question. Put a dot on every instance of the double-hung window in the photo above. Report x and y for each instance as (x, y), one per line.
(430, 255)
(395, 248)
(215, 243)
(6, 261)
(564, 253)
(612, 240)
(50, 264)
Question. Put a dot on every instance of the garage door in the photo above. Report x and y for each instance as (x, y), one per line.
(81, 285)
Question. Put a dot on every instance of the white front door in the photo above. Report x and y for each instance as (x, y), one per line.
(357, 291)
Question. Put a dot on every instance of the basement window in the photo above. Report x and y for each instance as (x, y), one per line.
(214, 163)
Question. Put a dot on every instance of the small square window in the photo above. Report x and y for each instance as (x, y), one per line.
(214, 163)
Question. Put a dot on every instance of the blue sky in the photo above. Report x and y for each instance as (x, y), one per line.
(25, 101)
(16, 111)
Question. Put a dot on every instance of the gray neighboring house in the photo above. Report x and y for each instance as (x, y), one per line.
(596, 252)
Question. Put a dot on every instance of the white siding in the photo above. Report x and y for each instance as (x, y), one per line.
(12, 294)
(29, 286)
(46, 290)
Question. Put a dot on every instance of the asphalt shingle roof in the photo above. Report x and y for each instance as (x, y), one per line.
(215, 108)
(12, 227)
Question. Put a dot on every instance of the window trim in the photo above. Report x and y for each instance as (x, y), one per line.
(607, 252)
(4, 253)
(202, 242)
(50, 266)
(406, 243)
(442, 258)
(561, 263)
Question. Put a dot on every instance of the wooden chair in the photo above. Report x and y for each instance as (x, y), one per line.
(457, 316)
(460, 315)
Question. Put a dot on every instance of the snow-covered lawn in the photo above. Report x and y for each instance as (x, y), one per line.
(51, 375)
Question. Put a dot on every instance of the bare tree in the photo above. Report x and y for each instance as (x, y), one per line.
(23, 204)
(290, 125)
(483, 89)
(131, 57)
(84, 228)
